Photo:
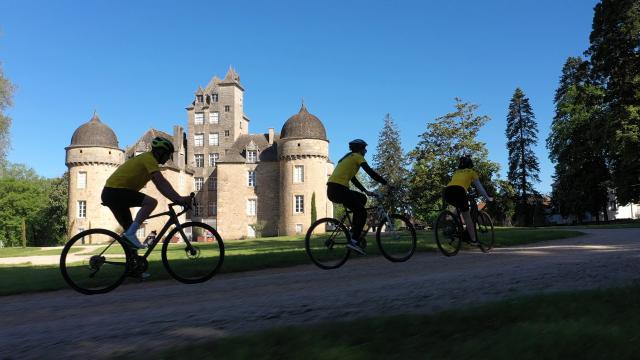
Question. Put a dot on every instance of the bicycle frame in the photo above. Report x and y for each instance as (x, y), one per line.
(173, 220)
(473, 209)
(381, 214)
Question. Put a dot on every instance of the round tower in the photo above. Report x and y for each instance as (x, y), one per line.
(91, 157)
(303, 153)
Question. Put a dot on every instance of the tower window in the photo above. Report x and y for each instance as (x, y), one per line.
(199, 118)
(299, 204)
(251, 207)
(213, 117)
(198, 183)
(213, 158)
(212, 184)
(199, 160)
(82, 179)
(198, 139)
(298, 174)
(226, 133)
(227, 108)
(82, 209)
(213, 139)
(251, 178)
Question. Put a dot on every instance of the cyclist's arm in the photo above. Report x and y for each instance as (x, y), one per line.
(164, 187)
(357, 183)
(480, 188)
(374, 175)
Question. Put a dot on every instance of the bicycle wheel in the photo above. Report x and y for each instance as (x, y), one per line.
(94, 261)
(484, 231)
(447, 233)
(326, 243)
(194, 257)
(397, 242)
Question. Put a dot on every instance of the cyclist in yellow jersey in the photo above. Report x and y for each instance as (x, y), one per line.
(456, 191)
(121, 191)
(338, 188)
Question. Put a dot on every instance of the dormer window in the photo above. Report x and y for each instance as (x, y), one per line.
(252, 156)
(199, 98)
(214, 97)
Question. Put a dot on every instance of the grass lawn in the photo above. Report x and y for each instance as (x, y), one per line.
(243, 255)
(599, 324)
(28, 251)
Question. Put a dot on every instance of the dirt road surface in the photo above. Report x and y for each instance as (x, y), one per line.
(139, 317)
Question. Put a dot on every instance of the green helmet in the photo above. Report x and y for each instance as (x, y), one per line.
(162, 143)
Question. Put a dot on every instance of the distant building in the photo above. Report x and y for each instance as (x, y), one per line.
(245, 183)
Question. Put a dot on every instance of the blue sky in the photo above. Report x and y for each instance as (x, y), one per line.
(138, 63)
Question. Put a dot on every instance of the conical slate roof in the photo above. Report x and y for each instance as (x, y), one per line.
(94, 133)
(303, 125)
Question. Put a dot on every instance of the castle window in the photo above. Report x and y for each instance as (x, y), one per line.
(213, 117)
(240, 124)
(299, 204)
(199, 118)
(199, 160)
(82, 209)
(227, 108)
(140, 232)
(298, 174)
(214, 97)
(213, 139)
(251, 178)
(226, 133)
(298, 228)
(251, 207)
(252, 156)
(197, 210)
(198, 183)
(198, 139)
(213, 158)
(199, 98)
(212, 208)
(82, 179)
(212, 184)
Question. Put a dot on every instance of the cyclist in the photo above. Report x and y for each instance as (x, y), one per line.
(456, 191)
(121, 191)
(338, 189)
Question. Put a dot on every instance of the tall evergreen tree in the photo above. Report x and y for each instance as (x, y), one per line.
(6, 96)
(615, 55)
(577, 143)
(436, 157)
(391, 162)
(522, 136)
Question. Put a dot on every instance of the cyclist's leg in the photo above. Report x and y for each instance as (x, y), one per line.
(356, 201)
(457, 196)
(119, 202)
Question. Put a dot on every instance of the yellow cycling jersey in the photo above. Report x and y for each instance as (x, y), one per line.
(346, 169)
(463, 177)
(134, 173)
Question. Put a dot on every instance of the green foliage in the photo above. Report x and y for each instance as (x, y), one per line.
(522, 136)
(6, 100)
(615, 56)
(579, 128)
(314, 213)
(392, 164)
(436, 157)
(502, 209)
(41, 203)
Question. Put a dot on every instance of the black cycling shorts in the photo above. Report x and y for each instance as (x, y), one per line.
(456, 196)
(120, 201)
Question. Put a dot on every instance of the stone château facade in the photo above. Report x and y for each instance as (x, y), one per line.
(246, 184)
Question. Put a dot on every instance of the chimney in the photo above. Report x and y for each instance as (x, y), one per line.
(271, 136)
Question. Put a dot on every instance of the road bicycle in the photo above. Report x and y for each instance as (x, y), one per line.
(96, 261)
(450, 233)
(326, 239)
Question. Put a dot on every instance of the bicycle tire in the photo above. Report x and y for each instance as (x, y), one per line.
(447, 233)
(81, 273)
(395, 245)
(484, 231)
(327, 249)
(192, 262)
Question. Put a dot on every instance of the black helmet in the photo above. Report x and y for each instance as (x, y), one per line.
(357, 144)
(465, 162)
(162, 143)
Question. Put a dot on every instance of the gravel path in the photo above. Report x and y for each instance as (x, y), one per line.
(142, 316)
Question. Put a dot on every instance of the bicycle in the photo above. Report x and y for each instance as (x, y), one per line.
(326, 239)
(100, 268)
(450, 233)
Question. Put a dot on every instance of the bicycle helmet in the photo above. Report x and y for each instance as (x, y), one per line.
(465, 162)
(357, 144)
(162, 143)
